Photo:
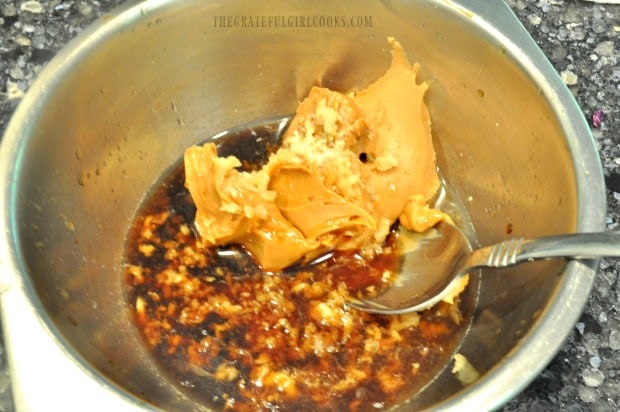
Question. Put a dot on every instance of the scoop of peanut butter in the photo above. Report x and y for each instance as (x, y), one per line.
(350, 165)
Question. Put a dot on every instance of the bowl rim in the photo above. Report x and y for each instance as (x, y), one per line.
(495, 19)
(546, 336)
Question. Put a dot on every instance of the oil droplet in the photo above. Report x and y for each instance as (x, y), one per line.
(82, 179)
(69, 226)
(480, 92)
(63, 293)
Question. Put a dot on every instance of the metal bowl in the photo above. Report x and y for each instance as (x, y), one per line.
(117, 107)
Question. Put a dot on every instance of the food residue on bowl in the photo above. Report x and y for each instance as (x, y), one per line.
(218, 260)
(464, 371)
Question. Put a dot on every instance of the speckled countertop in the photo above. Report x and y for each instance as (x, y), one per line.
(581, 40)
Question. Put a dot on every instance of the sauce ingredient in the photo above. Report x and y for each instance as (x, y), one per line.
(200, 256)
(350, 165)
(235, 338)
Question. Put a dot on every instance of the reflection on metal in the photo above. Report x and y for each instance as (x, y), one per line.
(132, 91)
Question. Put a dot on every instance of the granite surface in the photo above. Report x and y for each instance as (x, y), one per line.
(581, 40)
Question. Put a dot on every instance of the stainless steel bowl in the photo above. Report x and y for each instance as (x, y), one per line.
(116, 108)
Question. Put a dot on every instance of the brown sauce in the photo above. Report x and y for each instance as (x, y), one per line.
(235, 338)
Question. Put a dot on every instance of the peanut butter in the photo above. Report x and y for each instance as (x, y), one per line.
(350, 165)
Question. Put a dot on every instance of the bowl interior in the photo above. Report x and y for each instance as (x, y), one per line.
(114, 114)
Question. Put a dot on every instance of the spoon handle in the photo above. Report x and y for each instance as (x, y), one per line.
(582, 245)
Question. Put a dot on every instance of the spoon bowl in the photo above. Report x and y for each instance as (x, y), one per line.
(434, 262)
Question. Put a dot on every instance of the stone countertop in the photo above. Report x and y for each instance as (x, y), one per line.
(579, 37)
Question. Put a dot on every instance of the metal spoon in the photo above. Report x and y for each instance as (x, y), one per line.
(445, 255)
